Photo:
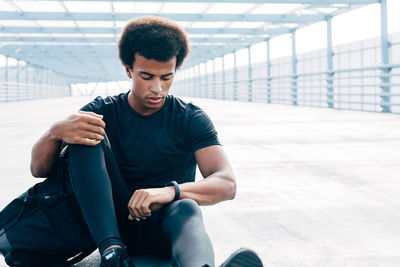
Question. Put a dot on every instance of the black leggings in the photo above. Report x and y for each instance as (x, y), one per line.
(174, 231)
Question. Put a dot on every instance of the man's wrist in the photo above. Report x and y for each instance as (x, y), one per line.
(176, 188)
(53, 133)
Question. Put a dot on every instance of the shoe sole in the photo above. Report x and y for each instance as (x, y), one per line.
(243, 258)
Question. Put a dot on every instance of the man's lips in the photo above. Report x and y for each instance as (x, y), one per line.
(155, 99)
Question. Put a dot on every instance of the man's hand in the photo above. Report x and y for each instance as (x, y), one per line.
(143, 201)
(84, 128)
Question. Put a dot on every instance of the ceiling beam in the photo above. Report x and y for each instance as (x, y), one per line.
(113, 41)
(99, 30)
(244, 1)
(273, 18)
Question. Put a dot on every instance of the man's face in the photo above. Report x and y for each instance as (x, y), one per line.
(151, 81)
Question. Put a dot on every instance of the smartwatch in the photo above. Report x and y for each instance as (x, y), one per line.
(177, 191)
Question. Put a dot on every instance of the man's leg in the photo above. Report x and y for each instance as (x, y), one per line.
(89, 169)
(183, 225)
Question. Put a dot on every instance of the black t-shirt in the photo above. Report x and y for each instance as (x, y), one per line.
(155, 149)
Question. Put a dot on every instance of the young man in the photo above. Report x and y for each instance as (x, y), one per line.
(130, 165)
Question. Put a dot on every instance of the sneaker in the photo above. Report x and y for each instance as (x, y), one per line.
(116, 257)
(243, 258)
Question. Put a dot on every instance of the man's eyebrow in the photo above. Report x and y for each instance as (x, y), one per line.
(144, 72)
(150, 74)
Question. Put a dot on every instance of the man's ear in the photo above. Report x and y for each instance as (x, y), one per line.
(128, 72)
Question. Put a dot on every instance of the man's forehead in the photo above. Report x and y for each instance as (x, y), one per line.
(152, 66)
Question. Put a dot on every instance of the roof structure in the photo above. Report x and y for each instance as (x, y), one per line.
(78, 38)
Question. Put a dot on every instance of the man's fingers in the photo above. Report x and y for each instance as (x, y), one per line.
(91, 113)
(95, 121)
(84, 141)
(145, 207)
(90, 142)
(139, 205)
(131, 206)
(94, 129)
(93, 136)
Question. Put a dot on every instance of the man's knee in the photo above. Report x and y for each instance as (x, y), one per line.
(79, 151)
(182, 209)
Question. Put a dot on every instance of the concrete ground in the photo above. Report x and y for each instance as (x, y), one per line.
(316, 187)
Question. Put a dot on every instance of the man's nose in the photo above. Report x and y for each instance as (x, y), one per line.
(156, 86)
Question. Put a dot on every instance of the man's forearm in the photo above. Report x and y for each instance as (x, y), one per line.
(211, 190)
(44, 155)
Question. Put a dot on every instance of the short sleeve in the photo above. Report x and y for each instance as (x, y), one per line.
(95, 106)
(201, 132)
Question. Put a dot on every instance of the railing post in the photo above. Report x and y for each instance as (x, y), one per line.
(17, 82)
(206, 81)
(193, 81)
(235, 85)
(6, 79)
(329, 72)
(186, 86)
(268, 73)
(385, 70)
(199, 80)
(294, 70)
(214, 95)
(250, 76)
(26, 81)
(223, 78)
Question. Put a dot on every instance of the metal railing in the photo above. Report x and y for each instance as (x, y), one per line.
(11, 91)
(374, 88)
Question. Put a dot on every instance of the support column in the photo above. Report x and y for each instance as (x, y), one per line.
(206, 81)
(195, 87)
(6, 96)
(42, 85)
(235, 85)
(17, 94)
(329, 71)
(199, 80)
(26, 87)
(187, 83)
(214, 89)
(223, 78)
(193, 82)
(250, 76)
(385, 69)
(185, 88)
(294, 70)
(26, 73)
(268, 73)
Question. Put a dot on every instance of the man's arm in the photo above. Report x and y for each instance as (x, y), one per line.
(85, 128)
(218, 186)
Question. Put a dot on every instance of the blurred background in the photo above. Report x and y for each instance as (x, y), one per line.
(305, 96)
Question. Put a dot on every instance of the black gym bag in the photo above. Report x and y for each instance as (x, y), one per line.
(44, 225)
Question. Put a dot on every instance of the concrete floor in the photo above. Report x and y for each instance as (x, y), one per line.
(316, 187)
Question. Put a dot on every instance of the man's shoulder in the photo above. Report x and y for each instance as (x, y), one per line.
(180, 105)
(111, 100)
(101, 103)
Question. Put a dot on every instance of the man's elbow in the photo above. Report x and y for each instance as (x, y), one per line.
(36, 171)
(231, 188)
